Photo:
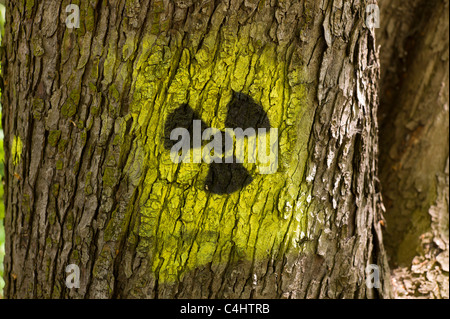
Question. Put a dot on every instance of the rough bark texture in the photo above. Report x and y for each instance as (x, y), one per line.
(414, 156)
(89, 181)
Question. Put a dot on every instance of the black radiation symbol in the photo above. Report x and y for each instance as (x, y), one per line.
(243, 112)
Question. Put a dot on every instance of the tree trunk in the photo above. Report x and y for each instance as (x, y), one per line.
(414, 139)
(90, 180)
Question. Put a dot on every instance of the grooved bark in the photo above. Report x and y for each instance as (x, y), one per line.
(89, 181)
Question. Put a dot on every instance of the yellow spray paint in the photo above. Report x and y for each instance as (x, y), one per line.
(16, 150)
(182, 225)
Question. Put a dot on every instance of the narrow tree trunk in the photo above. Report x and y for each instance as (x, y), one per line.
(414, 157)
(90, 182)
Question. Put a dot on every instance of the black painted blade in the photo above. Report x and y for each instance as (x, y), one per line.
(227, 178)
(182, 117)
(244, 112)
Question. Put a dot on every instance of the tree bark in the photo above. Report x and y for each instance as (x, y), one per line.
(414, 139)
(89, 181)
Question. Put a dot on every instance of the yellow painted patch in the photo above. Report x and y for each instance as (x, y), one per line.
(182, 225)
(16, 150)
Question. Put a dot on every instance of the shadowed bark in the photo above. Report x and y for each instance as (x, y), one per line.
(414, 138)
